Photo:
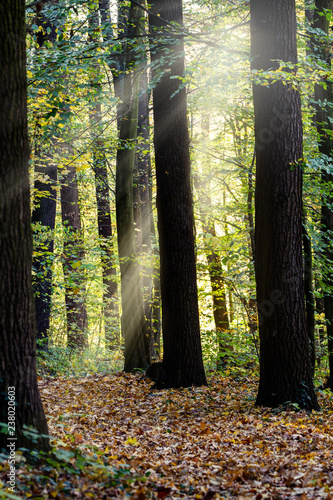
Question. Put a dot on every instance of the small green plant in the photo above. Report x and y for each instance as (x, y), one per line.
(61, 361)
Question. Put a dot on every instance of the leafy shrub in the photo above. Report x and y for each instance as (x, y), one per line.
(61, 361)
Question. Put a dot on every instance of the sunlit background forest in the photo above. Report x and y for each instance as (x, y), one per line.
(75, 54)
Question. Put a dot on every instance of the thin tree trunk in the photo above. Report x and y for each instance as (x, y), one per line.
(144, 221)
(230, 286)
(182, 355)
(106, 242)
(156, 320)
(126, 88)
(134, 326)
(73, 254)
(285, 366)
(19, 394)
(100, 168)
(220, 310)
(106, 237)
(156, 327)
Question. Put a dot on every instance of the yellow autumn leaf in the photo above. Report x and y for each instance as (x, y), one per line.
(132, 441)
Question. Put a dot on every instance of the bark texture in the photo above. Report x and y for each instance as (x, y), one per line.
(285, 366)
(182, 355)
(17, 319)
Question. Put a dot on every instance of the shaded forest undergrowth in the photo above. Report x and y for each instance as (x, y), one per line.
(116, 438)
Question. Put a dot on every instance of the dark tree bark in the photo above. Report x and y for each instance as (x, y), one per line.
(324, 93)
(18, 378)
(285, 366)
(182, 355)
(134, 326)
(73, 254)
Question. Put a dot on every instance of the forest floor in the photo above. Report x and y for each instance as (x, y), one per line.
(116, 438)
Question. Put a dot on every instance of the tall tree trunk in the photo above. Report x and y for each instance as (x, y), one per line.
(73, 254)
(126, 88)
(324, 115)
(142, 172)
(100, 168)
(143, 213)
(182, 354)
(20, 403)
(285, 366)
(134, 326)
